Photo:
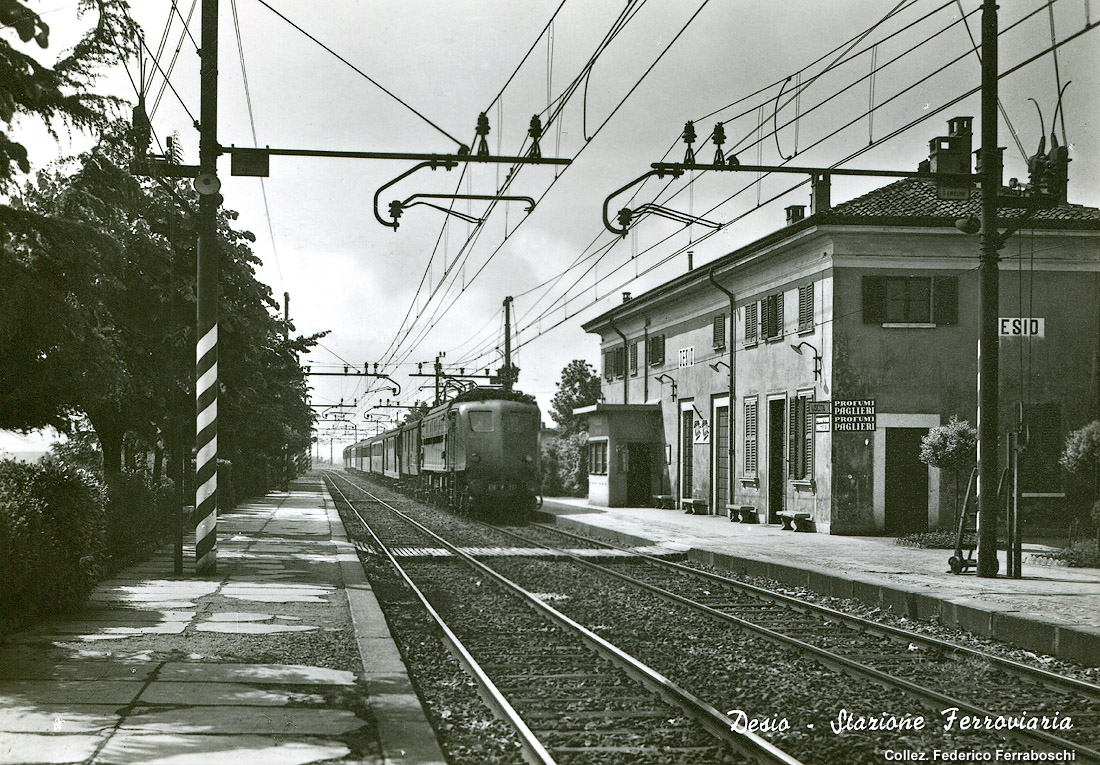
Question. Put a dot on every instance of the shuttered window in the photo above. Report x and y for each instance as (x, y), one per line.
(634, 358)
(751, 314)
(910, 300)
(750, 437)
(806, 307)
(801, 446)
(719, 331)
(597, 458)
(655, 350)
(614, 363)
(771, 316)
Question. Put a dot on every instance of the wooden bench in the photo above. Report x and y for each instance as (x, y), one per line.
(742, 513)
(793, 521)
(664, 501)
(695, 506)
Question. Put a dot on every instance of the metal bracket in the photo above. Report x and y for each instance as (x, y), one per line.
(432, 163)
(398, 207)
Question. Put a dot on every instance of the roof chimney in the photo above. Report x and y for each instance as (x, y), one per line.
(820, 193)
(691, 259)
(795, 213)
(951, 153)
(626, 297)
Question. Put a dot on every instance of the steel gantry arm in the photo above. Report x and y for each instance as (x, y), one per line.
(396, 208)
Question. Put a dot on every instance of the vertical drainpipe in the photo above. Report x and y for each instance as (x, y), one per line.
(626, 363)
(730, 342)
(645, 364)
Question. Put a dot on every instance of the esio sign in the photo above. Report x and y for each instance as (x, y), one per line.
(1021, 327)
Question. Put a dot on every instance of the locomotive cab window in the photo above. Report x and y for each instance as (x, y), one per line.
(481, 421)
(517, 422)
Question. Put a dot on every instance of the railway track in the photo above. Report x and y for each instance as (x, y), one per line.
(940, 675)
(570, 695)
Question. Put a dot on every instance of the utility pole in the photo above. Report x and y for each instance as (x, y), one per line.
(286, 339)
(988, 287)
(206, 338)
(438, 377)
(506, 376)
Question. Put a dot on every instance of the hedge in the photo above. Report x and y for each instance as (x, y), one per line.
(52, 539)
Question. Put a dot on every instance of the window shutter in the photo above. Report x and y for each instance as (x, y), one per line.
(778, 315)
(945, 291)
(794, 447)
(874, 299)
(750, 323)
(806, 307)
(750, 437)
(765, 317)
(634, 357)
(719, 332)
(657, 350)
(608, 365)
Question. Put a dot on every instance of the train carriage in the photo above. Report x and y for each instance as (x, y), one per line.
(477, 453)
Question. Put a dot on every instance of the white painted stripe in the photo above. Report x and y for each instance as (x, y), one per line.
(206, 416)
(207, 452)
(206, 526)
(208, 379)
(206, 490)
(208, 341)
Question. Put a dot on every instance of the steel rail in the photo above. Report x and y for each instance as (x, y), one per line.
(756, 748)
(1044, 677)
(835, 661)
(533, 750)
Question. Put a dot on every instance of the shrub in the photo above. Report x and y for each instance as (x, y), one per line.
(139, 516)
(51, 539)
(573, 464)
(1081, 554)
(550, 477)
(934, 540)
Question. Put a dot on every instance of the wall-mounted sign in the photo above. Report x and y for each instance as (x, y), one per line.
(821, 423)
(701, 432)
(857, 414)
(819, 407)
(1008, 326)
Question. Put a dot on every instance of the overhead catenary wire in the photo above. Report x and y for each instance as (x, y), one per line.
(175, 56)
(255, 140)
(359, 71)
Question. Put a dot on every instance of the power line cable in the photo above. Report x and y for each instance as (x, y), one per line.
(360, 72)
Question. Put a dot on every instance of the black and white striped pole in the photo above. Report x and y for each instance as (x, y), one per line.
(206, 345)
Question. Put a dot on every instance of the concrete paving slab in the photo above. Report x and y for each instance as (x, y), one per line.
(13, 692)
(134, 748)
(251, 628)
(22, 748)
(244, 720)
(222, 694)
(58, 718)
(283, 674)
(38, 669)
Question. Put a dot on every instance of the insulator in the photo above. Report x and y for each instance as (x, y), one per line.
(689, 132)
(395, 209)
(482, 124)
(624, 217)
(719, 134)
(535, 131)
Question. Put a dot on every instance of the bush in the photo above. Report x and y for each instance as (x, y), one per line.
(573, 464)
(139, 516)
(549, 469)
(52, 539)
(1081, 554)
(934, 540)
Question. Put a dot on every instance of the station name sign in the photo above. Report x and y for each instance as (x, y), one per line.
(1026, 326)
(855, 414)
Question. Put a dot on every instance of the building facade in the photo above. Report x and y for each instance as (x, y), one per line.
(799, 373)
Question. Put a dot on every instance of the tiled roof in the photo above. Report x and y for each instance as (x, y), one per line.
(913, 201)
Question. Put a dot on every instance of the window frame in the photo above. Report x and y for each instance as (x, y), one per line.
(750, 463)
(806, 308)
(718, 332)
(597, 457)
(800, 447)
(752, 323)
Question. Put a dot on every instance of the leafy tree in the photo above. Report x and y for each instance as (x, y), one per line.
(953, 447)
(579, 386)
(417, 412)
(62, 91)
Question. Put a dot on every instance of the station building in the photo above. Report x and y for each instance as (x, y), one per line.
(799, 373)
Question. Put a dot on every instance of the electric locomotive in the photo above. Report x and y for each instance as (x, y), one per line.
(477, 454)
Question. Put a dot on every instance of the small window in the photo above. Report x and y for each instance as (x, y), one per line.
(481, 421)
(597, 458)
(686, 356)
(655, 350)
(751, 314)
(771, 319)
(719, 331)
(750, 437)
(517, 422)
(806, 308)
(614, 362)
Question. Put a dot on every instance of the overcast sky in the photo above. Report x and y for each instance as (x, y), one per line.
(400, 297)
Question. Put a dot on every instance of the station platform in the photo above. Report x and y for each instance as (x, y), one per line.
(281, 657)
(1050, 610)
